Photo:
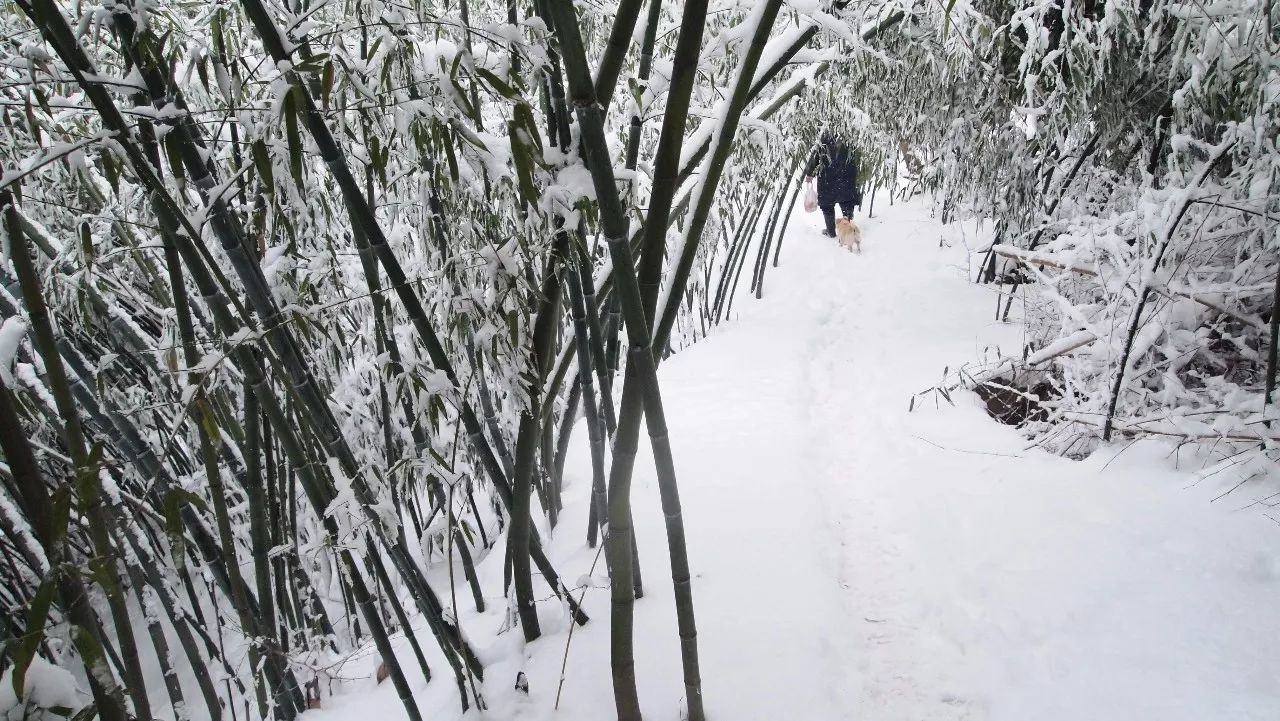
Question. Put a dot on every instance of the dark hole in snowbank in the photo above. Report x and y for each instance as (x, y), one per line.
(1014, 403)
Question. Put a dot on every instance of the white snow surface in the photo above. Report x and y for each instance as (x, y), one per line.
(853, 560)
(45, 686)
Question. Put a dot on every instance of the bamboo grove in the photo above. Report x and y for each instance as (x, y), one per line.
(1123, 159)
(303, 301)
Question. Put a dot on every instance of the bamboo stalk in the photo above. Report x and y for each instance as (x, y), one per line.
(732, 269)
(666, 163)
(73, 597)
(595, 426)
(1273, 341)
(362, 217)
(645, 399)
(624, 24)
(88, 486)
(726, 131)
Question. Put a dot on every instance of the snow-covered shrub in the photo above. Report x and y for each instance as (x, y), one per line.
(1124, 154)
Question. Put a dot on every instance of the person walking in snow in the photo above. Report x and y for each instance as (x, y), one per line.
(836, 169)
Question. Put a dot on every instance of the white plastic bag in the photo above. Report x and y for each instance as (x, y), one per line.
(810, 199)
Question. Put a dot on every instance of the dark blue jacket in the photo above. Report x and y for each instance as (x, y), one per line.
(837, 171)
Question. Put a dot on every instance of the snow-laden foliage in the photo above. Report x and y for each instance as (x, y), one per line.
(294, 296)
(301, 300)
(1124, 154)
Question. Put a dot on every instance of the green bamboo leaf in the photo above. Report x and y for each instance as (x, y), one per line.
(289, 230)
(460, 97)
(60, 513)
(262, 161)
(313, 64)
(636, 93)
(202, 68)
(209, 422)
(513, 327)
(522, 156)
(294, 139)
(216, 26)
(86, 242)
(377, 158)
(88, 713)
(326, 84)
(450, 157)
(36, 135)
(110, 169)
(192, 498)
(497, 84)
(43, 100)
(25, 650)
(420, 140)
(524, 118)
(173, 523)
(175, 156)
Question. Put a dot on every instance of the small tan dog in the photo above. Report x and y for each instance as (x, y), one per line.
(849, 234)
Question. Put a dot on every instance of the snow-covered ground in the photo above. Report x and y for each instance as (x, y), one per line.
(854, 560)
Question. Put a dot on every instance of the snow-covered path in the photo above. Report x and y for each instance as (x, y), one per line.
(857, 561)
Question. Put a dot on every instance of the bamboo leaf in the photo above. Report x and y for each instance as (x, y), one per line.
(313, 64)
(294, 139)
(497, 84)
(524, 118)
(25, 650)
(110, 169)
(175, 156)
(450, 158)
(460, 96)
(173, 523)
(43, 100)
(202, 68)
(262, 161)
(326, 84)
(86, 242)
(60, 512)
(377, 158)
(207, 420)
(522, 156)
(637, 93)
(31, 121)
(513, 327)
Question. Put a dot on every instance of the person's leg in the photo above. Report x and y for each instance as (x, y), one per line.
(829, 215)
(846, 207)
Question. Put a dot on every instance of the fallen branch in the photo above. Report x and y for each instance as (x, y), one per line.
(1031, 257)
(1062, 346)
